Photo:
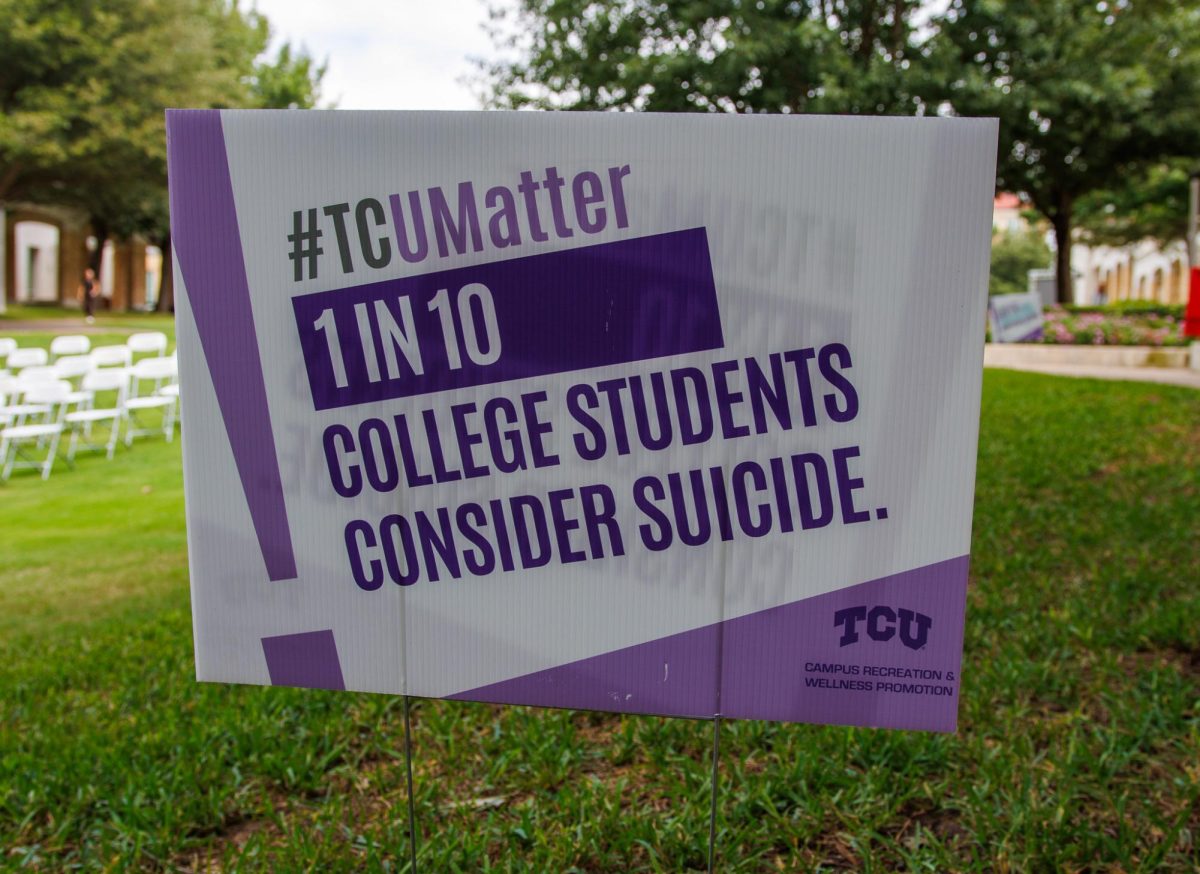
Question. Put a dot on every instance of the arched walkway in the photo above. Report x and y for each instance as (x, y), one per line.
(35, 251)
(44, 253)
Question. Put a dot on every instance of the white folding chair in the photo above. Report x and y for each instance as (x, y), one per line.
(148, 342)
(9, 385)
(69, 344)
(111, 356)
(171, 390)
(72, 367)
(81, 421)
(20, 407)
(10, 397)
(150, 370)
(15, 440)
(19, 359)
(7, 346)
(38, 373)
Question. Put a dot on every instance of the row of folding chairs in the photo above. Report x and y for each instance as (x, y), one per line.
(15, 358)
(37, 367)
(70, 367)
(41, 404)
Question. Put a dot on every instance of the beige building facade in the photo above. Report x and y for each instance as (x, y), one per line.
(45, 250)
(1145, 271)
(1106, 274)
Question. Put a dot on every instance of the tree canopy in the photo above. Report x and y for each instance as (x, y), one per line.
(1014, 254)
(1087, 92)
(84, 85)
(707, 55)
(1148, 205)
(291, 80)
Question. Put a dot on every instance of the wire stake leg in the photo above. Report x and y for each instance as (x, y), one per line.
(712, 813)
(412, 806)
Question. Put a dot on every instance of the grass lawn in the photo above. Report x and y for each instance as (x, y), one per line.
(1078, 747)
(31, 325)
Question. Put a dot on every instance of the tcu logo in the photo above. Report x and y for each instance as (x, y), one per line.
(882, 625)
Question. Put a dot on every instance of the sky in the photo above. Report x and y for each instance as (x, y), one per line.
(399, 54)
(402, 54)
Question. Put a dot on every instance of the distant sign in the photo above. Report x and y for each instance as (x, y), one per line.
(1015, 318)
(653, 414)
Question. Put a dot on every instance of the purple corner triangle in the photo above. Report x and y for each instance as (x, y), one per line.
(766, 659)
(208, 247)
(768, 655)
(671, 676)
(308, 660)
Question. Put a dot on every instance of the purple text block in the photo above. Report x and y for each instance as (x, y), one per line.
(596, 305)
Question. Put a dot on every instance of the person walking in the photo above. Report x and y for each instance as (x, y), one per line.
(91, 289)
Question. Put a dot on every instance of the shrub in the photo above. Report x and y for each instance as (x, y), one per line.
(1014, 254)
(1132, 307)
(1155, 325)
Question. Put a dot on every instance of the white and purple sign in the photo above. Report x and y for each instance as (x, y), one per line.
(643, 413)
(1016, 318)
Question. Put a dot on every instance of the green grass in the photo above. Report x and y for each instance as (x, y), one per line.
(25, 325)
(1078, 747)
(15, 312)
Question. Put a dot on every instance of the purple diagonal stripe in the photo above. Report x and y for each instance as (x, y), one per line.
(308, 660)
(766, 655)
(204, 232)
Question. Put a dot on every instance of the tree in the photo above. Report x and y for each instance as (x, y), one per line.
(291, 81)
(84, 85)
(1085, 92)
(1014, 254)
(850, 56)
(1148, 205)
(83, 89)
(83, 105)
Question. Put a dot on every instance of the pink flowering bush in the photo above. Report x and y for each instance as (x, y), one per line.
(1114, 327)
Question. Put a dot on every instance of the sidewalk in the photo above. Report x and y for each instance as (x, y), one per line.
(1163, 375)
(1165, 365)
(59, 326)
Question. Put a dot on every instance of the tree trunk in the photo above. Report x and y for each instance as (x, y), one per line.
(899, 37)
(8, 178)
(1063, 290)
(166, 280)
(100, 232)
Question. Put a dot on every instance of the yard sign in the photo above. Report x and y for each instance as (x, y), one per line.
(670, 414)
(1016, 318)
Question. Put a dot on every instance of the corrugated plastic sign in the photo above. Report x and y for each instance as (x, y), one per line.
(1015, 318)
(651, 414)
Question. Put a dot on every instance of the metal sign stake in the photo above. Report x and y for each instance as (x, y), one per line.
(712, 813)
(412, 807)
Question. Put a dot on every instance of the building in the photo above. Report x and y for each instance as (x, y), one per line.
(1106, 274)
(44, 251)
(1007, 209)
(1144, 271)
